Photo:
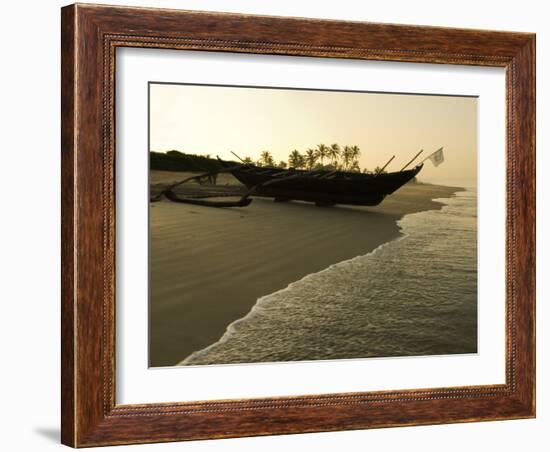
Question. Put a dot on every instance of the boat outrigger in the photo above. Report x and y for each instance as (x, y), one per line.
(322, 187)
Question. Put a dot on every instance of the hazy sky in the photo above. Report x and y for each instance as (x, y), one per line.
(216, 120)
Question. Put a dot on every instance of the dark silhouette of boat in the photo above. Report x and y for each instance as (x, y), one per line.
(322, 187)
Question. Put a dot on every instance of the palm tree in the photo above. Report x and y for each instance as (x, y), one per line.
(322, 152)
(248, 160)
(266, 159)
(346, 157)
(355, 167)
(334, 153)
(282, 164)
(295, 159)
(355, 152)
(311, 158)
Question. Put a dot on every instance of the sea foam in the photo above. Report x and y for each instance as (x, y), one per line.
(415, 295)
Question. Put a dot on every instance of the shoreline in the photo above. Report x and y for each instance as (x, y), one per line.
(209, 267)
(229, 330)
(259, 301)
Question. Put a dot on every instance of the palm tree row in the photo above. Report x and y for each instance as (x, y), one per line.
(340, 158)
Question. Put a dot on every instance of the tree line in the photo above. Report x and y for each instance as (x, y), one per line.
(329, 157)
(322, 157)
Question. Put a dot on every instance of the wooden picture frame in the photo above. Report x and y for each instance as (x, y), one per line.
(90, 36)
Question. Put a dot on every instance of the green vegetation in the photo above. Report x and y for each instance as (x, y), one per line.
(178, 161)
(266, 159)
(341, 159)
(311, 158)
(296, 160)
(344, 158)
(322, 153)
(334, 153)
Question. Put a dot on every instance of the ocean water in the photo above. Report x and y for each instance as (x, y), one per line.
(416, 295)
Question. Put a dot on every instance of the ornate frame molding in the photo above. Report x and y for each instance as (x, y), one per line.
(90, 37)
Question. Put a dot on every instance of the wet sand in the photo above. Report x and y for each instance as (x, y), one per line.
(208, 266)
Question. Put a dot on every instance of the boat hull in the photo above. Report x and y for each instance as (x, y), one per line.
(322, 188)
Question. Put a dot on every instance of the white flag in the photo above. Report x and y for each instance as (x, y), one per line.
(437, 157)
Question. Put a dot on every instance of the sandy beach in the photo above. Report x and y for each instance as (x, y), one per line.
(209, 266)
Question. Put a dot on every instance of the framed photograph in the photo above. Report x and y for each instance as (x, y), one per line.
(281, 225)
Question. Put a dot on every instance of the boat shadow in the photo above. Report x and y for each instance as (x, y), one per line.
(335, 210)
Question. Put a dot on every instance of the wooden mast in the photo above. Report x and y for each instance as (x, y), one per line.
(412, 160)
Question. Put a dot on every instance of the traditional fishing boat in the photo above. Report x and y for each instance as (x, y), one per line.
(323, 187)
